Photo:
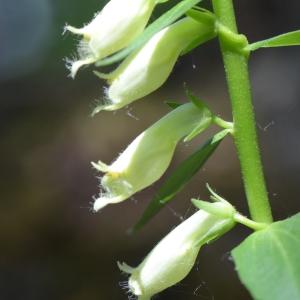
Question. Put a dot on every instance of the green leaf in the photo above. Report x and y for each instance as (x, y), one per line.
(180, 177)
(287, 39)
(163, 21)
(268, 261)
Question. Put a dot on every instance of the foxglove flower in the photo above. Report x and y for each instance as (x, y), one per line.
(145, 160)
(112, 29)
(146, 69)
(174, 256)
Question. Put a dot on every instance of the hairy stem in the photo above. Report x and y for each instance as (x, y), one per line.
(236, 67)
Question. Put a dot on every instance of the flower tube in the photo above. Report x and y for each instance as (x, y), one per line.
(174, 256)
(146, 69)
(112, 29)
(146, 159)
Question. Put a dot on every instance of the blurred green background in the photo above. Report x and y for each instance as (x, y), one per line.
(52, 245)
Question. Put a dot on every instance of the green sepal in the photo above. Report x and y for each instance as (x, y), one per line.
(206, 120)
(268, 261)
(220, 209)
(216, 232)
(202, 15)
(206, 17)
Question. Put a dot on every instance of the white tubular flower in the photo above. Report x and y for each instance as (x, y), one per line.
(112, 29)
(148, 68)
(174, 256)
(146, 159)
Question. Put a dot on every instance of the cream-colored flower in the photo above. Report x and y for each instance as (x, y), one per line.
(148, 68)
(174, 256)
(112, 29)
(146, 159)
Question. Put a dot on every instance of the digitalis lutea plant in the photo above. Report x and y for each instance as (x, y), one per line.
(148, 156)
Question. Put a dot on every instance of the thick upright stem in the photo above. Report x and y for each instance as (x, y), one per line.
(236, 67)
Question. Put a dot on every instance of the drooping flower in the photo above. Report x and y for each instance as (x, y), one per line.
(112, 29)
(174, 256)
(146, 69)
(145, 160)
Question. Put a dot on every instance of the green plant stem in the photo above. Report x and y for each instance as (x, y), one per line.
(222, 123)
(236, 67)
(249, 223)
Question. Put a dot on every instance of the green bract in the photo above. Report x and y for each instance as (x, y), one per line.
(145, 160)
(112, 29)
(174, 256)
(146, 69)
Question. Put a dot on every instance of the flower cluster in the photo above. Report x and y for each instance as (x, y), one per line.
(148, 67)
(148, 156)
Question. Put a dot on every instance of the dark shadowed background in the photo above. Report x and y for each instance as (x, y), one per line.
(52, 245)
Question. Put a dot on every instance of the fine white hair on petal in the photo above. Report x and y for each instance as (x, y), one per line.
(83, 49)
(105, 199)
(79, 64)
(105, 103)
(125, 268)
(70, 61)
(74, 30)
(65, 29)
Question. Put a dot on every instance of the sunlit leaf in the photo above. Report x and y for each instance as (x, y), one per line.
(268, 261)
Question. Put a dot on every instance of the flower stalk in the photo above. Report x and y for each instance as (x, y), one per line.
(245, 136)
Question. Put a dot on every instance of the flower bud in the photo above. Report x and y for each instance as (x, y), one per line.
(145, 160)
(112, 29)
(146, 69)
(174, 256)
